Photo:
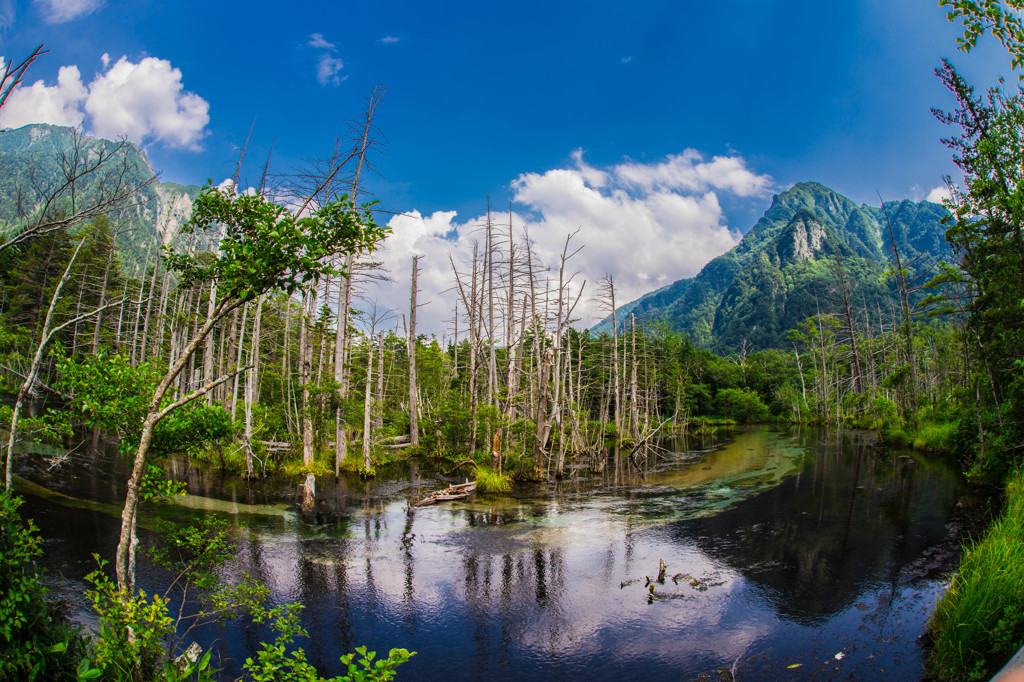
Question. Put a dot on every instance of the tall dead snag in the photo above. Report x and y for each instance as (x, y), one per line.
(851, 329)
(305, 372)
(414, 430)
(564, 308)
(607, 302)
(251, 381)
(901, 280)
(46, 335)
(264, 248)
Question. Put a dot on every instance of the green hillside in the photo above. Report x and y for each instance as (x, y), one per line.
(783, 270)
(33, 156)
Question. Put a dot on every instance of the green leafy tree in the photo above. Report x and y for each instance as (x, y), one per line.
(262, 247)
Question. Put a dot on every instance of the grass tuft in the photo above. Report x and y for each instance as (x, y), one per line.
(979, 623)
(488, 481)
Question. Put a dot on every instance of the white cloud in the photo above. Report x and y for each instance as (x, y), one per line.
(390, 40)
(144, 101)
(627, 60)
(327, 70)
(646, 234)
(147, 100)
(938, 194)
(317, 40)
(59, 104)
(59, 11)
(690, 173)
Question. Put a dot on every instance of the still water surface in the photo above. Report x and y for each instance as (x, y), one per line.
(782, 547)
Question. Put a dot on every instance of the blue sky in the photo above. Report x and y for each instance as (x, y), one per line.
(576, 111)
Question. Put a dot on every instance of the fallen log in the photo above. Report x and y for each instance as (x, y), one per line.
(452, 492)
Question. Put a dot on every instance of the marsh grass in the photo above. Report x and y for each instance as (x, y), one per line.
(979, 623)
(488, 481)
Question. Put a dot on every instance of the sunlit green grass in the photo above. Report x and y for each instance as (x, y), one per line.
(979, 623)
(488, 481)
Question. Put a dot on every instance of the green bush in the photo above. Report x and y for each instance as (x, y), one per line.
(274, 663)
(979, 623)
(34, 644)
(741, 404)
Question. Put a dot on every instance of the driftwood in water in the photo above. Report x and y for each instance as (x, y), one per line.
(453, 492)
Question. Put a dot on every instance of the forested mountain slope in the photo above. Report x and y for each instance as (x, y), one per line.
(35, 161)
(785, 269)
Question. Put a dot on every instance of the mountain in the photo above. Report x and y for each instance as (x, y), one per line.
(31, 159)
(784, 269)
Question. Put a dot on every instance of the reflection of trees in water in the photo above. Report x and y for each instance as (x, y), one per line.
(511, 597)
(853, 517)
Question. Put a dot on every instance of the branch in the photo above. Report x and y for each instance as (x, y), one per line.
(199, 392)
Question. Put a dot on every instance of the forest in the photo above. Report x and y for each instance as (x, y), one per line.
(250, 339)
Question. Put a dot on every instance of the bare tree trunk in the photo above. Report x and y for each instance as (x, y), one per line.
(208, 353)
(46, 334)
(414, 431)
(368, 403)
(238, 362)
(250, 385)
(305, 371)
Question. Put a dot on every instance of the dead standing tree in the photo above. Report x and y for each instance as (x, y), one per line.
(264, 248)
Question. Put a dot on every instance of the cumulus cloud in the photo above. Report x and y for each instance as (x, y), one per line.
(143, 102)
(689, 172)
(938, 194)
(147, 100)
(317, 40)
(647, 234)
(59, 104)
(390, 40)
(327, 70)
(59, 11)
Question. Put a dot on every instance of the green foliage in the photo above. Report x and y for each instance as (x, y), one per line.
(107, 391)
(979, 622)
(742, 405)
(119, 651)
(263, 246)
(35, 644)
(197, 556)
(274, 663)
(488, 481)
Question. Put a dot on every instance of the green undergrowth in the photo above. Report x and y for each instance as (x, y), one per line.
(979, 623)
(488, 481)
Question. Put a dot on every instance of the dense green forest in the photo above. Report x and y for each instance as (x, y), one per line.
(169, 319)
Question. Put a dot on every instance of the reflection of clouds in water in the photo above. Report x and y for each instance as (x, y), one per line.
(550, 584)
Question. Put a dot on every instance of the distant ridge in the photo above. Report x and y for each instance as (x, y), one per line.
(781, 272)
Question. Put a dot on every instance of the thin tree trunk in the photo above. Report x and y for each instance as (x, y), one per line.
(414, 429)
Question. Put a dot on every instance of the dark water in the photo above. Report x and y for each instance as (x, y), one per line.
(782, 548)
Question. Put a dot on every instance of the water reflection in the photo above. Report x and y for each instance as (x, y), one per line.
(778, 545)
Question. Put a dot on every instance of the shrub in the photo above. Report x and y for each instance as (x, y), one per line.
(741, 404)
(34, 645)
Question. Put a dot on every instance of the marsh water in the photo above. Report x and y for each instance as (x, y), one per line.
(790, 554)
